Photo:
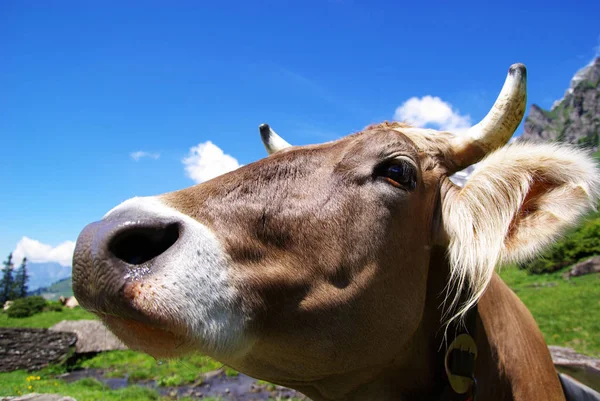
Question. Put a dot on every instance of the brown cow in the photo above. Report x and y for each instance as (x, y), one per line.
(338, 269)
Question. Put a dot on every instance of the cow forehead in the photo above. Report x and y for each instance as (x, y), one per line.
(421, 138)
(427, 147)
(291, 199)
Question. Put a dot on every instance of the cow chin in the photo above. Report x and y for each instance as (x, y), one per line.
(174, 324)
(155, 341)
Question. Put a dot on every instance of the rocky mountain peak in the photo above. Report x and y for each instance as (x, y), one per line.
(573, 119)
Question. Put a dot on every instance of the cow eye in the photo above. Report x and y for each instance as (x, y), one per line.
(400, 174)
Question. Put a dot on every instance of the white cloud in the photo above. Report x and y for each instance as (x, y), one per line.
(206, 161)
(431, 111)
(37, 252)
(141, 154)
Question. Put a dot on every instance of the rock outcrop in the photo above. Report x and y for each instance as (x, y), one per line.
(32, 349)
(588, 266)
(92, 336)
(562, 356)
(573, 119)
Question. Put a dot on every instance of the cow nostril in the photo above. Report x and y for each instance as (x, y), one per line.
(141, 244)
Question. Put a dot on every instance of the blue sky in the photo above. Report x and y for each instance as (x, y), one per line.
(84, 85)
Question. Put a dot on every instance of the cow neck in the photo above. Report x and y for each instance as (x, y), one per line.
(419, 374)
(450, 358)
(458, 356)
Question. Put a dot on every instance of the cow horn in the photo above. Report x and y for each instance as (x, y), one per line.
(498, 126)
(271, 140)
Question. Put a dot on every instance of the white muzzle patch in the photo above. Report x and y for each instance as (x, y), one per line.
(191, 284)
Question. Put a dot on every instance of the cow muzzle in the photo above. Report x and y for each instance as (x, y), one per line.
(159, 280)
(116, 252)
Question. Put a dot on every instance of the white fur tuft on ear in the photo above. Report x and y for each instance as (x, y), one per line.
(520, 199)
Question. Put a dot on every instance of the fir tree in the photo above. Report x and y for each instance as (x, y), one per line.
(6, 284)
(21, 278)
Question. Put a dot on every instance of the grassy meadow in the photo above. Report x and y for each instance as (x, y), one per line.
(566, 310)
(135, 366)
(45, 319)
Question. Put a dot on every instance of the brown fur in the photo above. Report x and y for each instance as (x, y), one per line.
(521, 364)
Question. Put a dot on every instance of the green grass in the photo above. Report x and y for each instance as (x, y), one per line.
(140, 366)
(45, 319)
(567, 311)
(88, 389)
(21, 382)
(135, 365)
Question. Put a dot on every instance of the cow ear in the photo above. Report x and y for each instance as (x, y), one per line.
(520, 199)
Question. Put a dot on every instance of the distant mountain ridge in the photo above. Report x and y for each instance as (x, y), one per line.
(62, 287)
(45, 274)
(573, 119)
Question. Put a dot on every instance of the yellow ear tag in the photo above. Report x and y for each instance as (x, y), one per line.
(463, 342)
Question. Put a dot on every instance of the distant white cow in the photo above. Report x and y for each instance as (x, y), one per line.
(71, 302)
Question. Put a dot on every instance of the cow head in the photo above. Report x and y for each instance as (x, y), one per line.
(317, 261)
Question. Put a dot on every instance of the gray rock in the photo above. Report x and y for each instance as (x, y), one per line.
(38, 397)
(92, 336)
(588, 266)
(563, 356)
(32, 349)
